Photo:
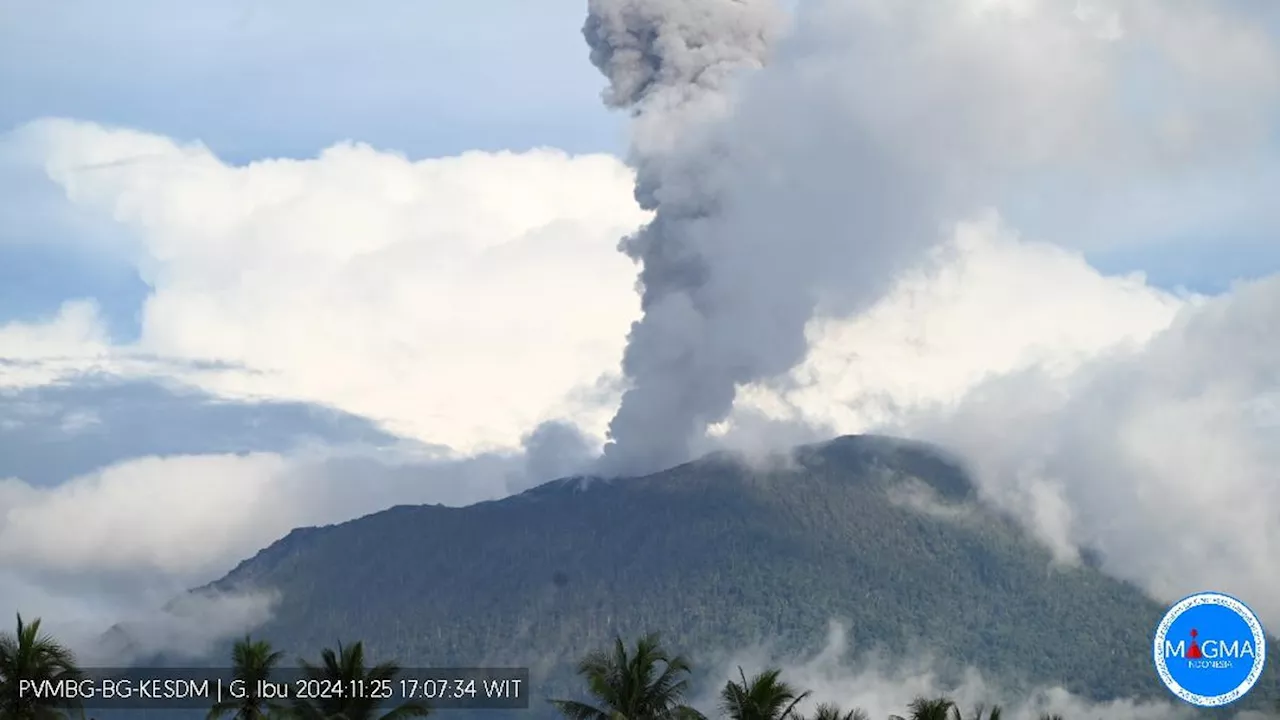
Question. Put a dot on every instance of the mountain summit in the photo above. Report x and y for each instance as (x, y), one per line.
(886, 536)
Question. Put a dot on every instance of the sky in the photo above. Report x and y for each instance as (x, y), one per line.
(274, 264)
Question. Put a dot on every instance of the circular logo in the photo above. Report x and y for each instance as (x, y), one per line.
(1210, 649)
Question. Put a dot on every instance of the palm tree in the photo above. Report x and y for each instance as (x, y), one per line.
(29, 654)
(252, 663)
(647, 684)
(923, 708)
(827, 711)
(993, 714)
(763, 697)
(346, 666)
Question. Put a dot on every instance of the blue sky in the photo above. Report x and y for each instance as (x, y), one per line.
(253, 79)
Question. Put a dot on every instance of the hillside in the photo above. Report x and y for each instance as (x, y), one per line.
(884, 535)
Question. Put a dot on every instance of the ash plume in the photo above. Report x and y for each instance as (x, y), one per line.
(672, 62)
(647, 48)
(798, 176)
(777, 190)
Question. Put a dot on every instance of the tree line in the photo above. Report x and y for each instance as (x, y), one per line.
(646, 682)
(639, 682)
(31, 654)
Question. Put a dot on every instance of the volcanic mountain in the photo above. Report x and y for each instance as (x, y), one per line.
(885, 536)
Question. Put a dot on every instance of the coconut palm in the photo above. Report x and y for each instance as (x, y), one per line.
(346, 666)
(828, 711)
(29, 654)
(764, 697)
(647, 683)
(923, 708)
(252, 662)
(979, 713)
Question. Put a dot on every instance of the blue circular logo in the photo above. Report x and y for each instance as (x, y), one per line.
(1210, 649)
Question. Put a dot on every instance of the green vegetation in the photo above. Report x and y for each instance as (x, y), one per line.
(647, 684)
(252, 662)
(763, 697)
(32, 655)
(346, 665)
(886, 537)
(828, 711)
(650, 684)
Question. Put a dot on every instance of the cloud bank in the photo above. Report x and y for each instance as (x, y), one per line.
(148, 529)
(1161, 457)
(456, 300)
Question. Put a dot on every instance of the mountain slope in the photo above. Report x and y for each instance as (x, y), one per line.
(883, 535)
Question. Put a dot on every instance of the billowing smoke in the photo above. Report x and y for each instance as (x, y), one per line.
(672, 62)
(800, 177)
(771, 197)
(796, 175)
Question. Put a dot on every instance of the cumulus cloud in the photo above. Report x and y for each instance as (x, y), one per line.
(460, 300)
(76, 332)
(483, 285)
(986, 303)
(1157, 456)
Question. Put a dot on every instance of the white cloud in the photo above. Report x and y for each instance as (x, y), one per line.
(75, 333)
(461, 300)
(120, 544)
(180, 516)
(987, 303)
(191, 518)
(1157, 455)
(1104, 413)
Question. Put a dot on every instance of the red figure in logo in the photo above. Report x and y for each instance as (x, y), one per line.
(1193, 652)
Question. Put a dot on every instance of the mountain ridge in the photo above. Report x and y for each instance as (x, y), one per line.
(888, 535)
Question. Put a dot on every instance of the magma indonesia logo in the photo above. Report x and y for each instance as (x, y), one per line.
(1210, 649)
